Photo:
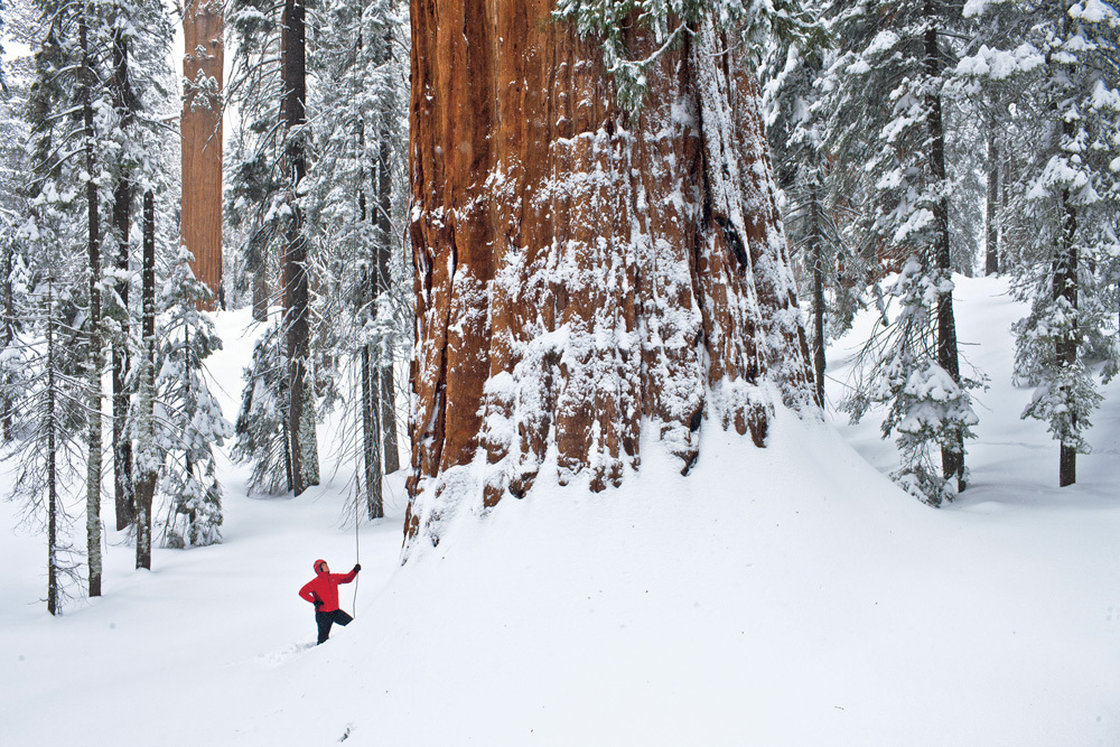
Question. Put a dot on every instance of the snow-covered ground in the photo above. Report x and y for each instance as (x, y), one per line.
(785, 596)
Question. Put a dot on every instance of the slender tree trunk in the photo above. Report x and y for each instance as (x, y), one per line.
(53, 591)
(389, 439)
(260, 292)
(816, 251)
(382, 280)
(371, 438)
(122, 209)
(9, 335)
(991, 217)
(301, 411)
(148, 463)
(581, 270)
(952, 452)
(371, 429)
(93, 472)
(1065, 288)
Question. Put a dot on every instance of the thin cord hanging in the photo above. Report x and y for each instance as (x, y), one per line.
(357, 550)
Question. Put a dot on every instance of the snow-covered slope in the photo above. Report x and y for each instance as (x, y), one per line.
(786, 596)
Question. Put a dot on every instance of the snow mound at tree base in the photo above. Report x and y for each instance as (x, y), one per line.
(781, 596)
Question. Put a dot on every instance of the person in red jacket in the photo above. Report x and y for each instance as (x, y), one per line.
(322, 591)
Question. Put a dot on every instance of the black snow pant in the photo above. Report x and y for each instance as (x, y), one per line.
(325, 619)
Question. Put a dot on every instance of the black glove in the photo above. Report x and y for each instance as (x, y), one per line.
(357, 567)
(317, 604)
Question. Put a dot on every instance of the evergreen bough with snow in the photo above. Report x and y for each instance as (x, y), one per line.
(189, 421)
(885, 103)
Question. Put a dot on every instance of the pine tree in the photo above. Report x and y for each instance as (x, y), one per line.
(887, 124)
(355, 209)
(190, 423)
(42, 361)
(268, 193)
(262, 425)
(822, 261)
(1065, 70)
(14, 164)
(49, 453)
(71, 149)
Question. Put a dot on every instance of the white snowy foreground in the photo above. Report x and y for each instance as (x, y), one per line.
(786, 596)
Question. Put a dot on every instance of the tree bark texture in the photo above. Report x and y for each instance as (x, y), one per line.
(1065, 289)
(991, 214)
(93, 324)
(201, 127)
(816, 253)
(301, 405)
(952, 453)
(580, 271)
(147, 466)
(385, 395)
(9, 334)
(53, 590)
(122, 215)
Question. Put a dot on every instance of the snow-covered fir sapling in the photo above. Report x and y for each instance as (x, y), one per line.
(270, 83)
(189, 421)
(262, 425)
(884, 105)
(1062, 64)
(355, 207)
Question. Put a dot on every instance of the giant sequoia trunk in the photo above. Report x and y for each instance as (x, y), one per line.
(583, 273)
(202, 141)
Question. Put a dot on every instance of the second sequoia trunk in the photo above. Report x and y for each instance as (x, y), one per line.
(583, 272)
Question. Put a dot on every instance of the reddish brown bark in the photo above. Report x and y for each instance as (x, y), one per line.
(581, 270)
(201, 128)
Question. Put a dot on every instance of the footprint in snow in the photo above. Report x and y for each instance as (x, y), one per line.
(276, 658)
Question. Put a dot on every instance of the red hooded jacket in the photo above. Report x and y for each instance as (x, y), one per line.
(324, 587)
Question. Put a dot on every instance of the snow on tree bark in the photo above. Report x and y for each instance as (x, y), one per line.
(123, 101)
(301, 417)
(582, 270)
(203, 25)
(93, 328)
(147, 466)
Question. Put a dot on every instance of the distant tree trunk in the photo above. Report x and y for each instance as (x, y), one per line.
(389, 421)
(7, 337)
(580, 270)
(122, 214)
(202, 142)
(371, 427)
(147, 467)
(952, 454)
(260, 291)
(1065, 288)
(382, 279)
(53, 590)
(94, 361)
(991, 214)
(816, 251)
(371, 438)
(301, 412)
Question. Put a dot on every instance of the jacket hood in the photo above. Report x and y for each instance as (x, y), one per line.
(319, 562)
